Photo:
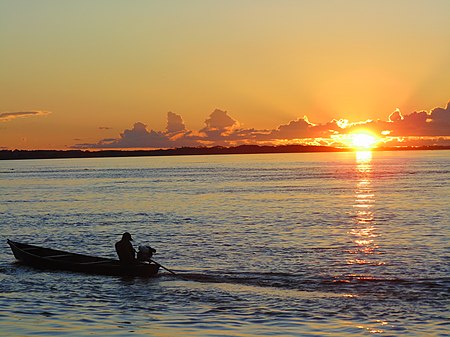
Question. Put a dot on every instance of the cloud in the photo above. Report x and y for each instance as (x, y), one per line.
(417, 141)
(175, 123)
(440, 121)
(300, 128)
(417, 124)
(9, 116)
(220, 121)
(222, 129)
(137, 137)
(395, 116)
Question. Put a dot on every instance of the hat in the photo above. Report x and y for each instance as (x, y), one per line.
(127, 236)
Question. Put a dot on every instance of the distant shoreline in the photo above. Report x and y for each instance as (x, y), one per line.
(187, 151)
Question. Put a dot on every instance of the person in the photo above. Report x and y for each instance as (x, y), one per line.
(125, 250)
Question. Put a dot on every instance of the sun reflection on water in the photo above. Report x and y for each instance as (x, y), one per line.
(364, 231)
(363, 157)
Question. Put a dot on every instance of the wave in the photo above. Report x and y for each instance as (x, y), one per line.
(358, 284)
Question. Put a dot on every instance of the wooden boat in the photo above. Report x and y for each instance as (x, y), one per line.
(46, 258)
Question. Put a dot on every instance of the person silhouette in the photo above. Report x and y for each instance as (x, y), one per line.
(125, 250)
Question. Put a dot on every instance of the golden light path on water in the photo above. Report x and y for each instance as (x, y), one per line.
(364, 231)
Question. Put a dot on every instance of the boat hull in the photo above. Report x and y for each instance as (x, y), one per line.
(46, 258)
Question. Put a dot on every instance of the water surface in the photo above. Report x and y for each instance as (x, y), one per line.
(317, 244)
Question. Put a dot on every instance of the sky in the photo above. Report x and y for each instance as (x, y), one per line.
(149, 74)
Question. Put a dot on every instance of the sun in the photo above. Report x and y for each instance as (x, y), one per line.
(362, 140)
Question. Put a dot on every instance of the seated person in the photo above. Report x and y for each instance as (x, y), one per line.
(125, 250)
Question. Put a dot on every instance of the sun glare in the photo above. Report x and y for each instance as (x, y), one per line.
(362, 140)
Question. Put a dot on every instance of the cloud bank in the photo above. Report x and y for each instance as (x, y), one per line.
(9, 116)
(221, 129)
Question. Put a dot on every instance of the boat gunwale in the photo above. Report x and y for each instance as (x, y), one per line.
(100, 259)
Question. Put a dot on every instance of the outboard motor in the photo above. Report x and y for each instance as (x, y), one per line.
(145, 253)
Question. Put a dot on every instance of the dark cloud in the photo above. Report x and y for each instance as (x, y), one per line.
(137, 137)
(414, 124)
(9, 116)
(175, 123)
(395, 116)
(222, 129)
(104, 128)
(220, 121)
(300, 128)
(417, 141)
(440, 121)
(421, 123)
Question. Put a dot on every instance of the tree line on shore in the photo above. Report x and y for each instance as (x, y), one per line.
(183, 151)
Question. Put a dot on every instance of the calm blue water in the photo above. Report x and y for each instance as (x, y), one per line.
(323, 244)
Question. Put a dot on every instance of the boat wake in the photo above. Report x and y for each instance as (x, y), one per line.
(353, 284)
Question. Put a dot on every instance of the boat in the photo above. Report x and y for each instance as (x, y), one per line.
(47, 258)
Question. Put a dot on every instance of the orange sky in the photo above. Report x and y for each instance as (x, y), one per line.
(78, 74)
